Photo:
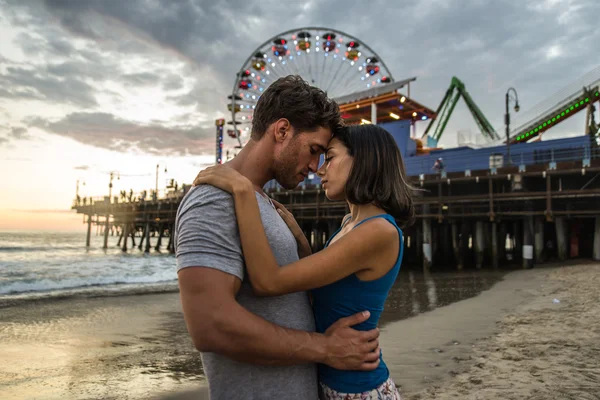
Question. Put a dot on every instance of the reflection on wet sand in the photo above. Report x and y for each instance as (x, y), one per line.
(416, 292)
(431, 293)
(128, 347)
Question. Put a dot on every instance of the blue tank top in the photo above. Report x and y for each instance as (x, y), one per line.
(349, 296)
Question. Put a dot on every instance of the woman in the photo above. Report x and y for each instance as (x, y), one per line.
(360, 262)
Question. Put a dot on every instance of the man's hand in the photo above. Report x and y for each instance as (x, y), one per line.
(349, 349)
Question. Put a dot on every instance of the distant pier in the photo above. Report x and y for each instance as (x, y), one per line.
(143, 223)
(522, 214)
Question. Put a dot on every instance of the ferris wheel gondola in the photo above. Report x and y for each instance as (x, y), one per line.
(327, 58)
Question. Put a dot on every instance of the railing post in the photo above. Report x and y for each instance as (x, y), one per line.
(586, 162)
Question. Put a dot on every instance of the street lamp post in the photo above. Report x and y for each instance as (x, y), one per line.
(77, 198)
(157, 167)
(507, 119)
(109, 207)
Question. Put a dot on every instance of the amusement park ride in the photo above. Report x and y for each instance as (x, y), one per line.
(578, 96)
(444, 111)
(354, 75)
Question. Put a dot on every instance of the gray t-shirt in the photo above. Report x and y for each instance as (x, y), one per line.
(206, 235)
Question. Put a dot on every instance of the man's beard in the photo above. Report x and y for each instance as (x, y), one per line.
(285, 168)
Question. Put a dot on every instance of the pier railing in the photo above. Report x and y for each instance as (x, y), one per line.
(470, 160)
(557, 185)
(140, 197)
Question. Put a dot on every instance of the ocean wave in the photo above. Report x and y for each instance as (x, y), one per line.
(89, 292)
(36, 248)
(48, 285)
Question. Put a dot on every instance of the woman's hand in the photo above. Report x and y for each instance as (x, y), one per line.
(289, 219)
(224, 178)
(304, 249)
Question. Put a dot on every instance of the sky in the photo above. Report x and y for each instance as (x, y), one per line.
(92, 87)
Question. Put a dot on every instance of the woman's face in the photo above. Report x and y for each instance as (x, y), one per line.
(335, 170)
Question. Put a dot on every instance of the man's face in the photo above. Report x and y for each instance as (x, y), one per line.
(300, 156)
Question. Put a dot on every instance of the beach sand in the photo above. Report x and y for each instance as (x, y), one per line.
(538, 349)
(509, 342)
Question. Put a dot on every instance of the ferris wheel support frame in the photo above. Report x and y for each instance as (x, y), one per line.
(309, 28)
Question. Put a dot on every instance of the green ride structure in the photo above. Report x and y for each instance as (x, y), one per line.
(444, 111)
(580, 95)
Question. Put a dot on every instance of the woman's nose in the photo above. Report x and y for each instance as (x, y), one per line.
(321, 171)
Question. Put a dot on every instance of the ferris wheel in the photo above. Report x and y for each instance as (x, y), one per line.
(329, 59)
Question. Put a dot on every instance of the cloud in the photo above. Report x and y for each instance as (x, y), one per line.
(86, 46)
(61, 69)
(16, 158)
(9, 134)
(28, 84)
(109, 132)
(18, 132)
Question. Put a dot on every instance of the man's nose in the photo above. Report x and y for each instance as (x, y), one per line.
(314, 165)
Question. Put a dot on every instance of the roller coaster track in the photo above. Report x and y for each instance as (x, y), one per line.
(574, 98)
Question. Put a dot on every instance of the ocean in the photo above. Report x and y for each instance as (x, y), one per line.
(46, 266)
(40, 265)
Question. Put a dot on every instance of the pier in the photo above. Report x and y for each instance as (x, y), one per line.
(483, 217)
(521, 214)
(143, 223)
(521, 202)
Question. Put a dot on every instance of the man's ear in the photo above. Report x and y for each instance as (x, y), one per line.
(282, 129)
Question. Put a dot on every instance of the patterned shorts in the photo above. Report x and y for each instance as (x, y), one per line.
(386, 391)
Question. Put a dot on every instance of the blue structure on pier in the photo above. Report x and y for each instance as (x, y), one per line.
(465, 158)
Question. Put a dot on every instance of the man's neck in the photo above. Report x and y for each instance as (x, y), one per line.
(254, 162)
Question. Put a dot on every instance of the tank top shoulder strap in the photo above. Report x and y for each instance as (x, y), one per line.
(384, 216)
(346, 219)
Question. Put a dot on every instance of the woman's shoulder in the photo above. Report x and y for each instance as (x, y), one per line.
(376, 233)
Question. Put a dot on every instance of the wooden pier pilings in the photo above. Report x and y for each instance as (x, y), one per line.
(146, 219)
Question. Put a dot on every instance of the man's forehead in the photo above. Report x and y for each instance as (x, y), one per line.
(321, 139)
(322, 145)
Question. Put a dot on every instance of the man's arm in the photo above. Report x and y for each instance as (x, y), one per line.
(217, 323)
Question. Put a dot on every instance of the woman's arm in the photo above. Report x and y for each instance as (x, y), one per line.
(350, 254)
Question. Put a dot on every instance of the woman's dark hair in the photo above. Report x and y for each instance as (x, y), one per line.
(377, 175)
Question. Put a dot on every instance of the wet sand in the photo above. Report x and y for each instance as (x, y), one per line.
(538, 349)
(509, 342)
(129, 347)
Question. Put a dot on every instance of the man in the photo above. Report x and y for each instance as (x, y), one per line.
(253, 347)
(439, 165)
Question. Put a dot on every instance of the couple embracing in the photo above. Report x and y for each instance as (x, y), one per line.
(271, 319)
